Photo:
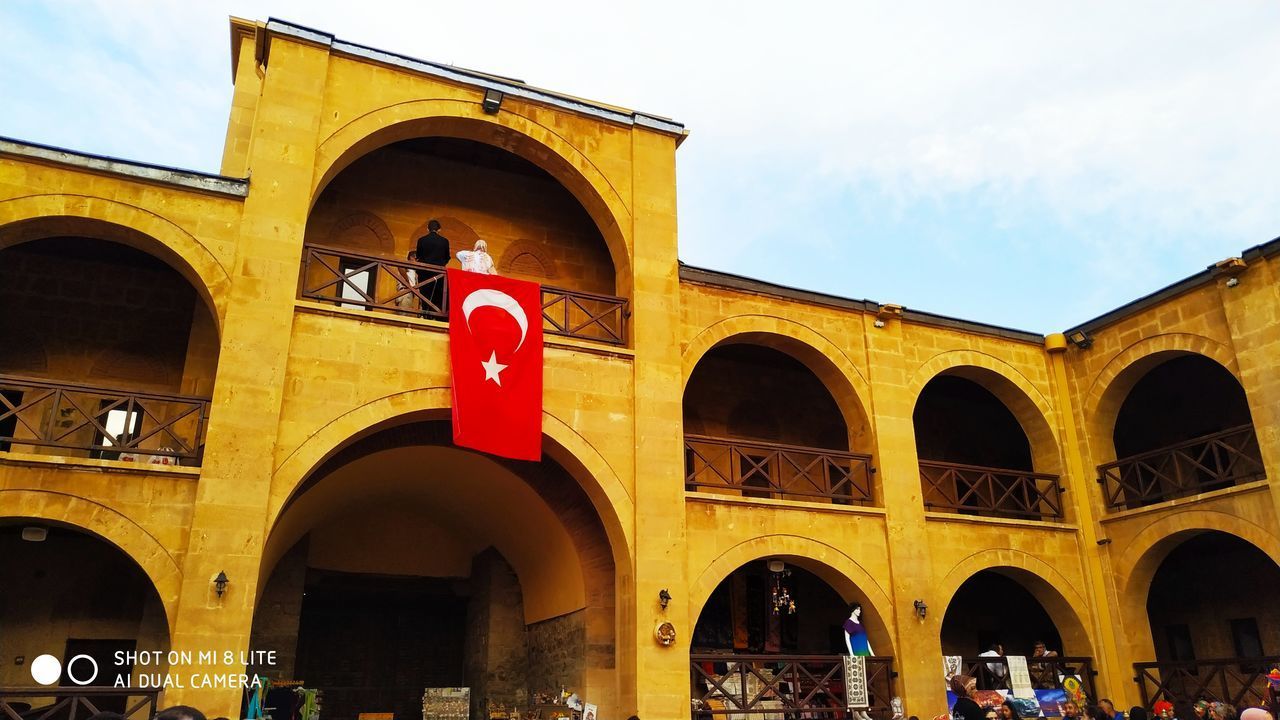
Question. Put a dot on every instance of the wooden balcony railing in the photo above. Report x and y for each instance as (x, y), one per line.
(356, 280)
(772, 470)
(75, 703)
(788, 686)
(1209, 462)
(1238, 681)
(996, 492)
(1047, 673)
(103, 423)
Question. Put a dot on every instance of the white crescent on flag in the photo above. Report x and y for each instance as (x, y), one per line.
(496, 298)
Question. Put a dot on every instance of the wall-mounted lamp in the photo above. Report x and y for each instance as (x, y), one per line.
(220, 583)
(664, 598)
(1080, 339)
(921, 608)
(492, 101)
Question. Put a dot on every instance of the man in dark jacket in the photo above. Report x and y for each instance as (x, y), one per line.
(433, 249)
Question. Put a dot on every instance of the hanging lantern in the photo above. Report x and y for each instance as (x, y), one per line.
(780, 594)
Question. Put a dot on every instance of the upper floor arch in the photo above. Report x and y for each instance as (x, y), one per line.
(507, 130)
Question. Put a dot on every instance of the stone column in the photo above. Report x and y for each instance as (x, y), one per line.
(660, 557)
(229, 522)
(918, 651)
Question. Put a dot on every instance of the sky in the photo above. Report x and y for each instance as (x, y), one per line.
(1026, 164)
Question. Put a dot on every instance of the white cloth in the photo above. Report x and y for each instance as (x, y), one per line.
(997, 669)
(477, 261)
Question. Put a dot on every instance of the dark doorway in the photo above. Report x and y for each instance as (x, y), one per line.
(373, 643)
(993, 608)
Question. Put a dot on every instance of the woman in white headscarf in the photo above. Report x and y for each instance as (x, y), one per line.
(477, 260)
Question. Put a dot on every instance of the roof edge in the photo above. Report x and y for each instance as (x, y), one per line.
(162, 174)
(508, 86)
(690, 273)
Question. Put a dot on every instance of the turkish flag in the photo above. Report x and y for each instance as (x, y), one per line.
(495, 349)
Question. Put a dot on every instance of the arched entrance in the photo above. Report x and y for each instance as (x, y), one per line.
(770, 638)
(367, 220)
(67, 593)
(759, 422)
(1011, 612)
(985, 448)
(113, 341)
(1183, 428)
(403, 563)
(1213, 625)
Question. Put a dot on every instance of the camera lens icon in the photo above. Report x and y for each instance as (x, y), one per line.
(46, 669)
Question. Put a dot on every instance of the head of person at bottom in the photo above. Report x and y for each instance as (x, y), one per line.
(180, 712)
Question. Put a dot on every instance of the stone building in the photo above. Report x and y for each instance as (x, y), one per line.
(223, 428)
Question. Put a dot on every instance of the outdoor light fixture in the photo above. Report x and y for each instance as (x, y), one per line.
(921, 608)
(492, 101)
(664, 598)
(34, 533)
(780, 595)
(220, 583)
(1080, 339)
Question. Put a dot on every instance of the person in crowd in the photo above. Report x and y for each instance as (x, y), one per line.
(433, 249)
(1163, 710)
(1137, 713)
(992, 714)
(180, 712)
(478, 260)
(996, 669)
(1093, 712)
(1255, 713)
(1109, 709)
(1070, 711)
(1008, 711)
(964, 687)
(1223, 711)
(1201, 709)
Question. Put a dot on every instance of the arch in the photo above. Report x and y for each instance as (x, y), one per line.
(527, 258)
(824, 359)
(1112, 384)
(1040, 578)
(103, 522)
(1010, 387)
(363, 220)
(508, 130)
(1136, 566)
(844, 574)
(611, 499)
(39, 216)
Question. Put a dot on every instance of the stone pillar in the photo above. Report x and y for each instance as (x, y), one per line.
(660, 556)
(229, 522)
(918, 651)
(1086, 505)
(496, 651)
(1252, 309)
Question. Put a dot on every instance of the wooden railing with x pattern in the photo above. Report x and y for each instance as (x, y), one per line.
(995, 492)
(1047, 672)
(789, 686)
(357, 280)
(774, 470)
(1209, 462)
(75, 703)
(104, 423)
(1237, 681)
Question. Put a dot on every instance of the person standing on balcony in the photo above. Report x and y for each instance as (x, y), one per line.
(433, 249)
(478, 260)
(997, 670)
(405, 301)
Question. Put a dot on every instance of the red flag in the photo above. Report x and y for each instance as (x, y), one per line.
(495, 347)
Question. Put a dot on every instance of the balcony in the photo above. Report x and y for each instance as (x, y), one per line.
(991, 492)
(1209, 462)
(1238, 681)
(81, 703)
(101, 423)
(788, 686)
(358, 281)
(772, 470)
(1047, 673)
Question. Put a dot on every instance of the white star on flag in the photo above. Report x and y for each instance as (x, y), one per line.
(492, 367)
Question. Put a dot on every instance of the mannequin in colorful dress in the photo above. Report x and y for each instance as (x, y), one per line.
(855, 636)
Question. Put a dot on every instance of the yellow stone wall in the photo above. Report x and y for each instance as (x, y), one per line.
(297, 380)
